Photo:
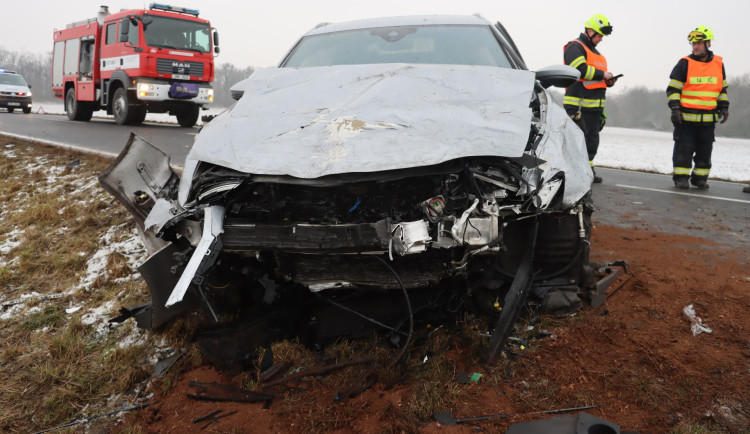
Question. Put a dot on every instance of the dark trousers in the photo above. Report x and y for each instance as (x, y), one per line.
(589, 124)
(693, 144)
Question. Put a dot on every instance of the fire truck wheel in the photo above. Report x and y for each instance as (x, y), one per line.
(123, 113)
(188, 116)
(27, 110)
(138, 115)
(10, 109)
(77, 110)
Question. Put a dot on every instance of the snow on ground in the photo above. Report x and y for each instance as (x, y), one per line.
(619, 148)
(627, 148)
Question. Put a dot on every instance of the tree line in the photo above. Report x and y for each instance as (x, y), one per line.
(637, 107)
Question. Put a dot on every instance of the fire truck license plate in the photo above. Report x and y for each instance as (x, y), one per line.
(14, 103)
(180, 77)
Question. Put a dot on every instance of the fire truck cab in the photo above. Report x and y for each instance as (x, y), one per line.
(158, 60)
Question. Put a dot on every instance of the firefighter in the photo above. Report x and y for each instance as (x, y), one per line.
(584, 100)
(697, 96)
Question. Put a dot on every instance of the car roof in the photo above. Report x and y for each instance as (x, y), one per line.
(6, 71)
(415, 20)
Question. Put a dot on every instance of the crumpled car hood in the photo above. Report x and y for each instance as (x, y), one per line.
(313, 122)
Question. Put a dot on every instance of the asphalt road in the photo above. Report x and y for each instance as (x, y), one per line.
(103, 136)
(624, 199)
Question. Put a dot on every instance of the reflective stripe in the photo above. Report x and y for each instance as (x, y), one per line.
(710, 104)
(591, 162)
(578, 62)
(701, 172)
(682, 171)
(673, 97)
(700, 117)
(723, 97)
(676, 84)
(590, 71)
(700, 93)
(581, 102)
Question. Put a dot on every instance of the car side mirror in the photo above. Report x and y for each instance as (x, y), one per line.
(557, 75)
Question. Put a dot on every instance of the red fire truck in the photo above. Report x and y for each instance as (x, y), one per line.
(159, 60)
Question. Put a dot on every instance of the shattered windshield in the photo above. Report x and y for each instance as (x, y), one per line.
(12, 79)
(178, 34)
(452, 45)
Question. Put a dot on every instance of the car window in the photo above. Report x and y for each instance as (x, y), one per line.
(12, 79)
(453, 45)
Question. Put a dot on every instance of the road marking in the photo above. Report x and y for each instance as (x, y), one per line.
(728, 199)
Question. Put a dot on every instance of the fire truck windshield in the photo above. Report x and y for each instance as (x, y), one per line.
(178, 34)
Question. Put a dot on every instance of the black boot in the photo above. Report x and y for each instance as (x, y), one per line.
(597, 179)
(682, 183)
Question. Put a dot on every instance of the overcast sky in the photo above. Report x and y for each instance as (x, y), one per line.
(648, 37)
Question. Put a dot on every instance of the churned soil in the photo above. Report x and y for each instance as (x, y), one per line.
(635, 358)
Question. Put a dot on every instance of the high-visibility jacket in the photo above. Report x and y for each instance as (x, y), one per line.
(703, 85)
(593, 61)
(698, 107)
(588, 93)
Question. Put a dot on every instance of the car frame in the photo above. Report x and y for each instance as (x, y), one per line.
(488, 203)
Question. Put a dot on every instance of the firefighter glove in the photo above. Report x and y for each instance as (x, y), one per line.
(602, 120)
(676, 117)
(724, 113)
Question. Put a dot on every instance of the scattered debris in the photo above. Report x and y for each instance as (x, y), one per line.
(567, 424)
(221, 392)
(696, 324)
(317, 371)
(446, 418)
(212, 418)
(602, 288)
(90, 418)
(163, 365)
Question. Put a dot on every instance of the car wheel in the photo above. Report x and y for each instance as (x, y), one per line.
(188, 116)
(27, 110)
(10, 109)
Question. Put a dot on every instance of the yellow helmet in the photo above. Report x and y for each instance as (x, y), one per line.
(600, 24)
(701, 33)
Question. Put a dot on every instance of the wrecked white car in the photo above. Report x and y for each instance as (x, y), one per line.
(387, 169)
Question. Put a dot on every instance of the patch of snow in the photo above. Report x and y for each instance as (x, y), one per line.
(129, 245)
(11, 241)
(73, 309)
(99, 318)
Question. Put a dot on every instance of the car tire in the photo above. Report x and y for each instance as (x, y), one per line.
(27, 110)
(188, 116)
(10, 109)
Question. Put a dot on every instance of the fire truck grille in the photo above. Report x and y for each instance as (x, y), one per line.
(170, 66)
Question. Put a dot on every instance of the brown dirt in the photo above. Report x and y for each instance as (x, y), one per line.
(635, 357)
